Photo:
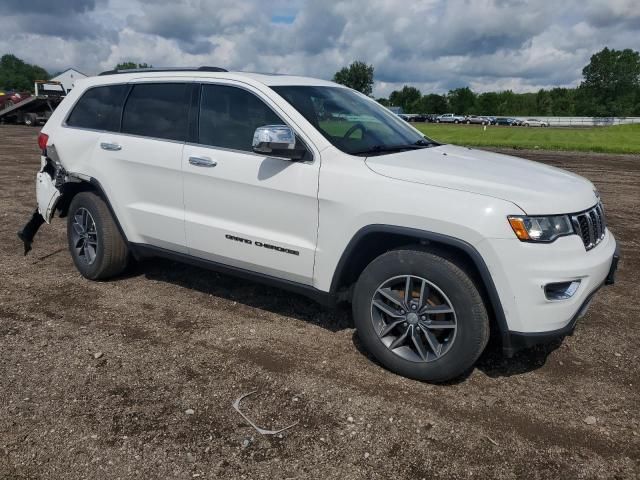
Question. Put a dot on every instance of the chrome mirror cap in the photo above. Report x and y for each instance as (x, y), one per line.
(274, 139)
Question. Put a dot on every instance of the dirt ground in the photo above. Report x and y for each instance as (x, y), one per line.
(135, 377)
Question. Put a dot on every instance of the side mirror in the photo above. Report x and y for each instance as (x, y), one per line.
(277, 141)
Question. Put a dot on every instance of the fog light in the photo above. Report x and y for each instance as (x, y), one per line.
(561, 290)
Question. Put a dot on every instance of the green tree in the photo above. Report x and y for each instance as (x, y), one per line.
(487, 103)
(611, 83)
(18, 75)
(383, 101)
(432, 103)
(462, 100)
(563, 101)
(358, 76)
(405, 98)
(131, 66)
(544, 102)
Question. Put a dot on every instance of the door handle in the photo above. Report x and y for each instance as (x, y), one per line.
(114, 147)
(202, 162)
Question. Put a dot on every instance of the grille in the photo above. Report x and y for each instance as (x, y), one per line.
(590, 225)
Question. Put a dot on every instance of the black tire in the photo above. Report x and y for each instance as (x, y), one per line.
(456, 121)
(471, 317)
(30, 119)
(111, 252)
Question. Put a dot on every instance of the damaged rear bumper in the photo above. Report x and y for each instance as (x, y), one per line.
(49, 184)
(29, 231)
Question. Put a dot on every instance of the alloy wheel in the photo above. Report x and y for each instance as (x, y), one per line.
(84, 236)
(413, 318)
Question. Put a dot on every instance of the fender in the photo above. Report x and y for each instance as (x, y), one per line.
(98, 187)
(433, 237)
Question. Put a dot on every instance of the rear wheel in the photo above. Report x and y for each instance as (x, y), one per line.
(95, 243)
(420, 315)
(30, 119)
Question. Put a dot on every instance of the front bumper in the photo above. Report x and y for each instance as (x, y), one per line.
(519, 340)
(520, 272)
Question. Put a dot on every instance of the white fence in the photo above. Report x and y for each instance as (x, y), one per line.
(586, 121)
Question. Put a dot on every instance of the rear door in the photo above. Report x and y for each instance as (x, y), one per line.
(141, 164)
(245, 209)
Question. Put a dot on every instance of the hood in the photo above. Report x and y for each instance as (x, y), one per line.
(536, 188)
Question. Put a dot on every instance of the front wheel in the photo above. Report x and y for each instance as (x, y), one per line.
(420, 315)
(95, 243)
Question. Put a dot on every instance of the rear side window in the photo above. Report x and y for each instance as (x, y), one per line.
(99, 108)
(157, 110)
(229, 117)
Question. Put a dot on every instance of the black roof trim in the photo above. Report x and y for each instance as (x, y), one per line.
(167, 69)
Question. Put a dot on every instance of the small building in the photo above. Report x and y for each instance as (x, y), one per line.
(69, 77)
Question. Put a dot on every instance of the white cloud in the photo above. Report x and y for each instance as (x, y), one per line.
(434, 45)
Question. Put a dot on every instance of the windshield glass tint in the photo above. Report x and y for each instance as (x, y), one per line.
(350, 122)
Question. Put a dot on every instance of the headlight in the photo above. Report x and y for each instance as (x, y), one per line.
(541, 229)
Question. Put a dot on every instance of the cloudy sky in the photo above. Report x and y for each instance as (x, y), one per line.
(434, 45)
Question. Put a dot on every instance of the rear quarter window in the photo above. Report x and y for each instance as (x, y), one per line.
(99, 108)
(157, 110)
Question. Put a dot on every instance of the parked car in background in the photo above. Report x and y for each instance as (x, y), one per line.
(9, 99)
(533, 122)
(450, 118)
(417, 117)
(476, 119)
(506, 121)
(492, 120)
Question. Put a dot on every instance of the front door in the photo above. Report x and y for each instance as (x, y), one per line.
(245, 209)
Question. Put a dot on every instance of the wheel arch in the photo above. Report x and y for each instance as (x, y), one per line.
(374, 240)
(90, 184)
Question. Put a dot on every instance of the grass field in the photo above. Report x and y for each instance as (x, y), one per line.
(618, 139)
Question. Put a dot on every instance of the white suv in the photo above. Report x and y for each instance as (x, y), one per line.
(314, 187)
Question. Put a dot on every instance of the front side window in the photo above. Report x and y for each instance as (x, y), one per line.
(99, 108)
(352, 123)
(229, 117)
(158, 110)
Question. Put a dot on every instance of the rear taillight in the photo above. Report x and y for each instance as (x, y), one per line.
(43, 138)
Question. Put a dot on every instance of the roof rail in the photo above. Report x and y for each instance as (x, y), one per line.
(166, 69)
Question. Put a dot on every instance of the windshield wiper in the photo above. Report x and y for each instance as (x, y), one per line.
(426, 143)
(389, 148)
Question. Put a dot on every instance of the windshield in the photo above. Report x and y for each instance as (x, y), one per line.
(351, 122)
